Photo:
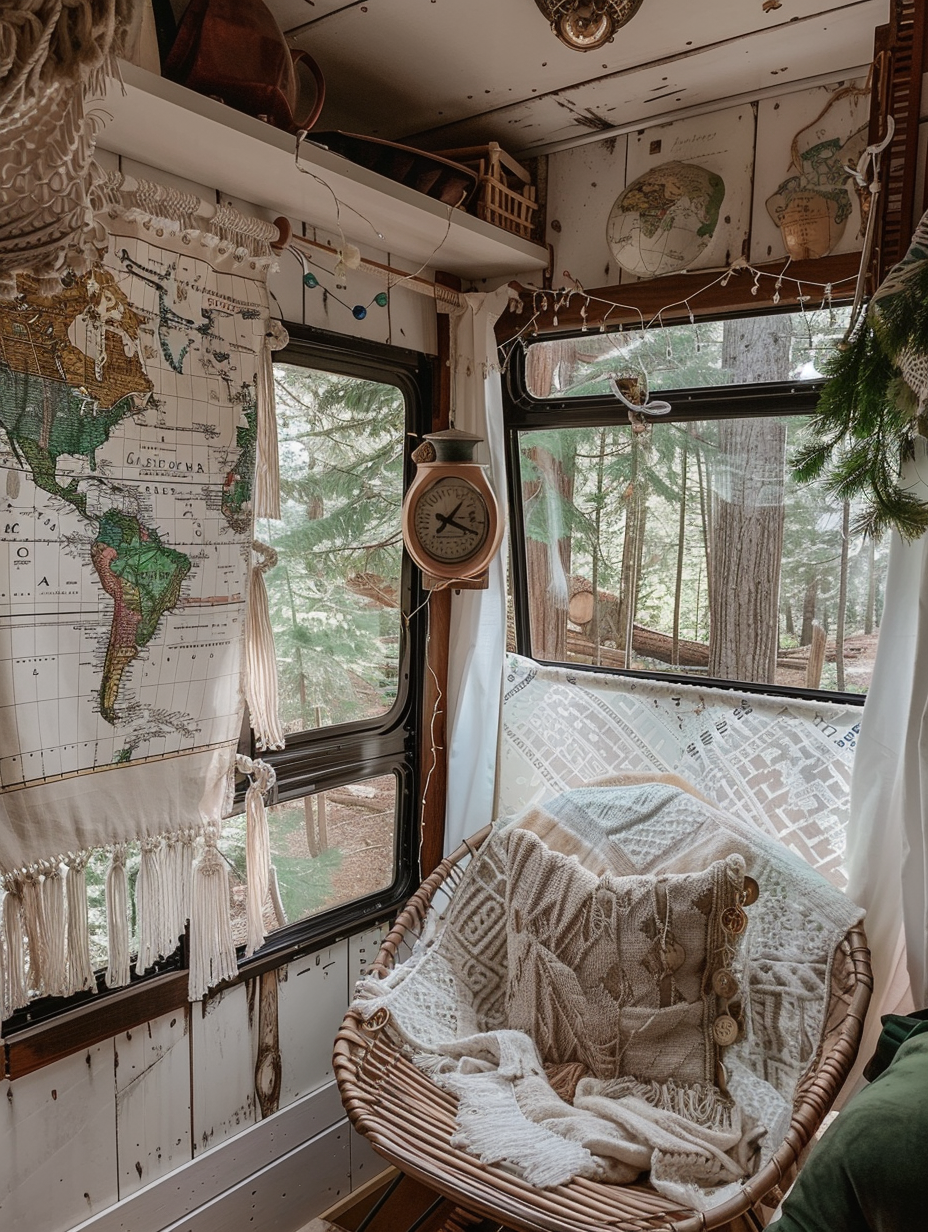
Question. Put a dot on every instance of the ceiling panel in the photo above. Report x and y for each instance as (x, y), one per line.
(399, 67)
(792, 53)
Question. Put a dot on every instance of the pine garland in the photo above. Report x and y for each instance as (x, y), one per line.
(869, 414)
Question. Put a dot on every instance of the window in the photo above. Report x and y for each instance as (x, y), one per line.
(681, 544)
(344, 840)
(343, 826)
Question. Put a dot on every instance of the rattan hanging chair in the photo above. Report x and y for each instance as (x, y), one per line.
(410, 1121)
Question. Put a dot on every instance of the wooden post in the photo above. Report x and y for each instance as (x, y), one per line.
(433, 766)
(816, 657)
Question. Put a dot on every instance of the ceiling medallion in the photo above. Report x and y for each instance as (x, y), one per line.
(585, 25)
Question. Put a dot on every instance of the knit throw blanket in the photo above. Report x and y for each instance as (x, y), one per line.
(566, 997)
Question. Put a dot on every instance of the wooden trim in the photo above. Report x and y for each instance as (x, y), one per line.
(684, 293)
(362, 1194)
(94, 1022)
(433, 761)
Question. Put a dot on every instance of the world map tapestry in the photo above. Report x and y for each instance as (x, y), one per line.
(128, 434)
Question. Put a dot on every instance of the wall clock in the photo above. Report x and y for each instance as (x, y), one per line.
(451, 520)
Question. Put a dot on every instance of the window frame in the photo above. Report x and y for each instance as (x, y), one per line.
(523, 412)
(314, 760)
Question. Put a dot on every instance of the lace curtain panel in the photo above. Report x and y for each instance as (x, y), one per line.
(782, 764)
(129, 429)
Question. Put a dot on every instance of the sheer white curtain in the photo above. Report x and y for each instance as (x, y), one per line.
(887, 843)
(478, 617)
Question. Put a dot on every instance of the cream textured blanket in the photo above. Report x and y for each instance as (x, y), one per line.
(567, 1063)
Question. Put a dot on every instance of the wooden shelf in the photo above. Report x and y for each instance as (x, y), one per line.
(173, 129)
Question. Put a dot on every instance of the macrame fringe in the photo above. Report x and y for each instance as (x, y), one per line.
(701, 1103)
(80, 966)
(212, 949)
(16, 987)
(149, 906)
(261, 778)
(260, 683)
(267, 474)
(54, 918)
(34, 928)
(117, 918)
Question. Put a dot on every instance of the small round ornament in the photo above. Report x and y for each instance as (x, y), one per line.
(734, 920)
(724, 983)
(751, 891)
(724, 1030)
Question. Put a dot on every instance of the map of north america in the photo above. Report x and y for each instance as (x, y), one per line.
(127, 447)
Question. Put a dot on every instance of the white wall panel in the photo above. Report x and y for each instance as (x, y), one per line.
(311, 1006)
(583, 183)
(58, 1143)
(223, 1058)
(153, 1100)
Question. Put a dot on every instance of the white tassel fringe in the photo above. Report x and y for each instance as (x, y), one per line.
(258, 847)
(16, 986)
(117, 918)
(261, 657)
(54, 918)
(212, 949)
(267, 474)
(149, 906)
(80, 968)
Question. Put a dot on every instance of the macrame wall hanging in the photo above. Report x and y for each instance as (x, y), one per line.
(54, 55)
(135, 405)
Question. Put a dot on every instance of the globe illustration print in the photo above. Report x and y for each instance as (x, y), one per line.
(665, 219)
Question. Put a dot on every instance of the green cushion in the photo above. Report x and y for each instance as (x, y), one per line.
(870, 1170)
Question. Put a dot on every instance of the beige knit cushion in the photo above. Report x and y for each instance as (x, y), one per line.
(615, 973)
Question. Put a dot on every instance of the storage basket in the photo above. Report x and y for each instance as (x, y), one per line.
(506, 196)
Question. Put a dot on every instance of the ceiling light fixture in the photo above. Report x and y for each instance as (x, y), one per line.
(585, 25)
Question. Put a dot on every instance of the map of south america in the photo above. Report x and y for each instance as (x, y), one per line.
(86, 381)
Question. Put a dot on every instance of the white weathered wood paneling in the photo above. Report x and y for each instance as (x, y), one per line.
(223, 1064)
(363, 948)
(311, 1005)
(778, 120)
(153, 1100)
(203, 1181)
(58, 1143)
(722, 142)
(583, 183)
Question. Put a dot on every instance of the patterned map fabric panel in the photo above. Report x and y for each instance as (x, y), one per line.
(128, 425)
(780, 763)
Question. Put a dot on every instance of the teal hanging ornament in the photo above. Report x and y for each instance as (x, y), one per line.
(875, 403)
(358, 311)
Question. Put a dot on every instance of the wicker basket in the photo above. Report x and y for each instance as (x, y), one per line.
(506, 197)
(410, 1121)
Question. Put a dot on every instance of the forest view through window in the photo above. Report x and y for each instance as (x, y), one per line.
(687, 546)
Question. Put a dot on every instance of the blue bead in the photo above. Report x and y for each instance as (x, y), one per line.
(359, 312)
(310, 280)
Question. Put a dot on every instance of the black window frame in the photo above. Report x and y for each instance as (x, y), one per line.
(523, 412)
(312, 761)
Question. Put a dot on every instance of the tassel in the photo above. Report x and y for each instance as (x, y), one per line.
(16, 991)
(4, 1005)
(212, 949)
(149, 906)
(54, 918)
(34, 929)
(117, 918)
(267, 473)
(262, 778)
(80, 968)
(261, 657)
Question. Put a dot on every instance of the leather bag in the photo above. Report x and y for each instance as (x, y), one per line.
(234, 50)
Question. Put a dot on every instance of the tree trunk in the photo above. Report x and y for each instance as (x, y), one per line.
(809, 600)
(869, 618)
(548, 560)
(681, 536)
(842, 595)
(636, 512)
(749, 513)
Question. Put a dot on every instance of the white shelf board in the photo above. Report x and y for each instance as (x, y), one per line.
(173, 129)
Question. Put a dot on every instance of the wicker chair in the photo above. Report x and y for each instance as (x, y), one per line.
(410, 1121)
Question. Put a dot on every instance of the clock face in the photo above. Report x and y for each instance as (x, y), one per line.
(451, 520)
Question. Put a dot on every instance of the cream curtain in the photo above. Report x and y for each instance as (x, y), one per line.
(478, 617)
(887, 861)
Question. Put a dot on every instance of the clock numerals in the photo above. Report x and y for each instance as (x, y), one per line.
(451, 520)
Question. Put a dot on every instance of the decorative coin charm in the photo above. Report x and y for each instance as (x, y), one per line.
(751, 891)
(673, 955)
(724, 1030)
(734, 920)
(724, 983)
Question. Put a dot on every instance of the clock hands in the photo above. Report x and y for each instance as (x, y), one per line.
(447, 520)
